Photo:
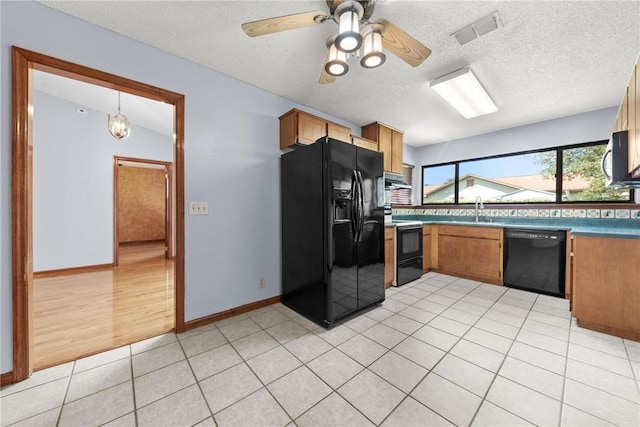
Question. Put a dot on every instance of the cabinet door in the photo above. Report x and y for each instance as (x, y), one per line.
(341, 133)
(384, 145)
(310, 129)
(365, 143)
(633, 113)
(389, 256)
(396, 152)
(426, 248)
(469, 256)
(605, 291)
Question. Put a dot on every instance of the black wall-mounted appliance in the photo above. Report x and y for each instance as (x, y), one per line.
(615, 162)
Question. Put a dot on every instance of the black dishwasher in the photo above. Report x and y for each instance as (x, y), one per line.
(535, 260)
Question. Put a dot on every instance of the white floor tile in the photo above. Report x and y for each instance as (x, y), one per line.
(298, 391)
(32, 401)
(257, 409)
(362, 349)
(430, 306)
(604, 380)
(633, 350)
(101, 358)
(478, 355)
(489, 340)
(447, 399)
(360, 323)
(560, 322)
(161, 383)
(436, 337)
(546, 329)
(419, 352)
(228, 387)
(470, 305)
(93, 380)
(267, 318)
(599, 342)
(538, 379)
(497, 327)
(213, 361)
(402, 324)
(287, 331)
(371, 395)
(273, 364)
(452, 327)
(335, 368)
(438, 298)
(378, 314)
(600, 404)
(128, 420)
(308, 347)
(384, 335)
(333, 411)
(494, 313)
(601, 360)
(39, 378)
(254, 344)
(572, 417)
(537, 357)
(235, 330)
(491, 415)
(153, 342)
(522, 401)
(157, 358)
(99, 408)
(205, 341)
(399, 371)
(460, 316)
(417, 314)
(339, 334)
(45, 419)
(412, 413)
(465, 374)
(542, 342)
(183, 408)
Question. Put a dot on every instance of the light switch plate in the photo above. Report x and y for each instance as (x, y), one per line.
(198, 208)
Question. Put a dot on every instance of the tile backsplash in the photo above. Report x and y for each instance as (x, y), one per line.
(610, 213)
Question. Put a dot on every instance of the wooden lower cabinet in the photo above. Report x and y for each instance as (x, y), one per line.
(426, 248)
(606, 285)
(389, 256)
(471, 252)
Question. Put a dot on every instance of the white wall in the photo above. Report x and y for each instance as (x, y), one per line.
(73, 181)
(576, 129)
(231, 158)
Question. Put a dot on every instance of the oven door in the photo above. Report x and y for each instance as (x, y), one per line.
(409, 242)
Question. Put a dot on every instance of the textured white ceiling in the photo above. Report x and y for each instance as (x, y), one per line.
(551, 58)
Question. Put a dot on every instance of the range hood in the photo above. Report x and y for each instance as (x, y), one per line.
(394, 182)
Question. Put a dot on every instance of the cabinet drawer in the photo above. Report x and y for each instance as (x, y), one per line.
(477, 232)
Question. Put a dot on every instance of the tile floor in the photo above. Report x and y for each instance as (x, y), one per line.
(439, 351)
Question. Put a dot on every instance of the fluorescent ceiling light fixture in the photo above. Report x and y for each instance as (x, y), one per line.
(464, 92)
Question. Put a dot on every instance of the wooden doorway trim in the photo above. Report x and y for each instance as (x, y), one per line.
(169, 204)
(23, 63)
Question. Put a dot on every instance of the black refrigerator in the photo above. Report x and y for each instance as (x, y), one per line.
(332, 230)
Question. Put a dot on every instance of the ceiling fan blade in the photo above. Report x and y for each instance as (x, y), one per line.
(283, 23)
(403, 45)
(326, 78)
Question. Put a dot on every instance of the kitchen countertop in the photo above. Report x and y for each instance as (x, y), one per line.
(580, 229)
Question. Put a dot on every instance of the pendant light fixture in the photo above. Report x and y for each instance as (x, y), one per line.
(372, 55)
(337, 60)
(348, 15)
(119, 126)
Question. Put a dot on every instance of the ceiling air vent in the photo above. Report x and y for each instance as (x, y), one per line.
(479, 28)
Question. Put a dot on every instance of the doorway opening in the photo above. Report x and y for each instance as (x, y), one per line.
(24, 62)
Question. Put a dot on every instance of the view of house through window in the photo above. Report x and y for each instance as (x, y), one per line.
(523, 178)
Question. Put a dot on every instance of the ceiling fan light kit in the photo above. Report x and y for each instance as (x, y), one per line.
(462, 90)
(349, 14)
(336, 64)
(119, 126)
(372, 55)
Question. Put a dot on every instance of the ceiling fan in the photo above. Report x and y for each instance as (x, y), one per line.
(355, 31)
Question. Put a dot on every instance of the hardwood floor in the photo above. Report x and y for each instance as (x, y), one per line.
(82, 314)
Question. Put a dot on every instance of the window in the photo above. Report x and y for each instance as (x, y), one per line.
(403, 196)
(528, 177)
(438, 184)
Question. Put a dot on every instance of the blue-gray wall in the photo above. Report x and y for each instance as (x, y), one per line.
(231, 158)
(73, 181)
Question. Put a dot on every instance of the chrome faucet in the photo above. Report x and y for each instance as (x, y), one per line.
(478, 201)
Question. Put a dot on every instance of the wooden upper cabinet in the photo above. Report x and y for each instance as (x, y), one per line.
(339, 132)
(389, 144)
(364, 143)
(298, 127)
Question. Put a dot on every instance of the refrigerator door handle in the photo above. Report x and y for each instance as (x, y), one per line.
(355, 211)
(361, 201)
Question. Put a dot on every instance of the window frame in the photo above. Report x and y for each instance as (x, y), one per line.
(559, 166)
